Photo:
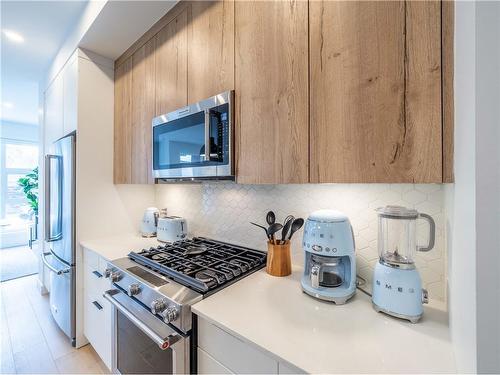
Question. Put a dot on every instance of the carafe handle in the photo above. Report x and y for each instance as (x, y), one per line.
(432, 233)
(315, 276)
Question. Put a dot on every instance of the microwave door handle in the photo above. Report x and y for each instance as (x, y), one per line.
(207, 135)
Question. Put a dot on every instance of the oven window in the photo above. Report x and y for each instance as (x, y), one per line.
(137, 353)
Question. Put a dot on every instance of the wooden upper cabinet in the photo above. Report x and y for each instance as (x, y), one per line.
(271, 79)
(122, 164)
(171, 64)
(143, 112)
(210, 48)
(375, 103)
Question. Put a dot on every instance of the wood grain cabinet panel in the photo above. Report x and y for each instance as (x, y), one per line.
(171, 65)
(122, 165)
(210, 48)
(375, 91)
(271, 78)
(143, 111)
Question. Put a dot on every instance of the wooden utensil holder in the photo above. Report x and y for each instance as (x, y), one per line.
(279, 262)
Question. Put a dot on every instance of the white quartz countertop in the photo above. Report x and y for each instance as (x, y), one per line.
(320, 337)
(119, 246)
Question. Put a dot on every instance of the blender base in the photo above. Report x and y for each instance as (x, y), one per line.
(398, 292)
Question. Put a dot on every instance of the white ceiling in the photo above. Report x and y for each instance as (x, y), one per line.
(44, 26)
(120, 23)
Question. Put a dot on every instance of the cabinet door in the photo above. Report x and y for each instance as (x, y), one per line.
(54, 115)
(70, 78)
(210, 48)
(375, 91)
(143, 112)
(271, 79)
(122, 166)
(171, 65)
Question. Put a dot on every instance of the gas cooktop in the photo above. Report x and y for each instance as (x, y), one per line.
(201, 264)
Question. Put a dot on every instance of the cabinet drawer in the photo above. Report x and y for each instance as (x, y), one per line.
(284, 368)
(208, 365)
(232, 353)
(97, 326)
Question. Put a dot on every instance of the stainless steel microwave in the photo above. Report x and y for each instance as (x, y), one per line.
(195, 142)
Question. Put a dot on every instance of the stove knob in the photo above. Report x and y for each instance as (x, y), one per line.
(158, 305)
(134, 289)
(170, 314)
(107, 273)
(115, 277)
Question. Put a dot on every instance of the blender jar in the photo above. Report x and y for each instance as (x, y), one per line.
(397, 235)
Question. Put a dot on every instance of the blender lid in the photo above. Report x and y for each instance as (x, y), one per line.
(328, 216)
(397, 212)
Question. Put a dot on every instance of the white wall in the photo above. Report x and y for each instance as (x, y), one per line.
(488, 185)
(473, 205)
(462, 284)
(103, 209)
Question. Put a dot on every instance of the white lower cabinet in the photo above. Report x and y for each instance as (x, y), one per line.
(209, 365)
(219, 352)
(97, 310)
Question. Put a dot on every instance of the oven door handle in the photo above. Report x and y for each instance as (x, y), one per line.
(145, 322)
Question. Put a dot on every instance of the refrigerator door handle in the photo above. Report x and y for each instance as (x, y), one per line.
(52, 268)
(48, 187)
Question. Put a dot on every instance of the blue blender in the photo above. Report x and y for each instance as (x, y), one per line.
(397, 287)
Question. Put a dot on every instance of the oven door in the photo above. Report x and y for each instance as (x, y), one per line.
(142, 343)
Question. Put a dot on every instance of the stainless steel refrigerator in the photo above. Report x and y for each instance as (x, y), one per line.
(59, 217)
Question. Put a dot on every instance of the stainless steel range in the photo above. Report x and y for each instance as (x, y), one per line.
(153, 328)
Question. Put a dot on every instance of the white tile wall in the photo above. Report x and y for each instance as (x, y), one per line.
(224, 210)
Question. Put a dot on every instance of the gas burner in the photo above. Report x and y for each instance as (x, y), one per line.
(201, 264)
(195, 249)
(205, 276)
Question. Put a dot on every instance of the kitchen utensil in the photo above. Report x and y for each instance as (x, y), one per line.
(270, 218)
(279, 261)
(397, 287)
(149, 222)
(171, 229)
(296, 225)
(286, 227)
(263, 227)
(273, 228)
(330, 261)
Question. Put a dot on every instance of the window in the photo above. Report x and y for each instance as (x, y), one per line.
(17, 159)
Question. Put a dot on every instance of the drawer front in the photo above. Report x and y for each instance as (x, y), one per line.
(284, 368)
(232, 353)
(208, 365)
(97, 326)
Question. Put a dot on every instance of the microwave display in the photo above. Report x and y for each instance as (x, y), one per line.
(194, 141)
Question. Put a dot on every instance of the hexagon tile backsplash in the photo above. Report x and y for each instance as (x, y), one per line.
(224, 210)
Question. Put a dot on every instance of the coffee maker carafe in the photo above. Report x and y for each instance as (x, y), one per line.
(397, 287)
(330, 262)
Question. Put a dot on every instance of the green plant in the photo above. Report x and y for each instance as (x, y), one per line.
(29, 183)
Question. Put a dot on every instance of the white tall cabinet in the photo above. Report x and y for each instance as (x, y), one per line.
(80, 98)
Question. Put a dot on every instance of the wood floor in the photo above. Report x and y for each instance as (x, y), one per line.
(31, 342)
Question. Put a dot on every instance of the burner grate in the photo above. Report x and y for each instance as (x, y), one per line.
(201, 264)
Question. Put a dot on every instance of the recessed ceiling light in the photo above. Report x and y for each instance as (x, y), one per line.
(13, 36)
(8, 104)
